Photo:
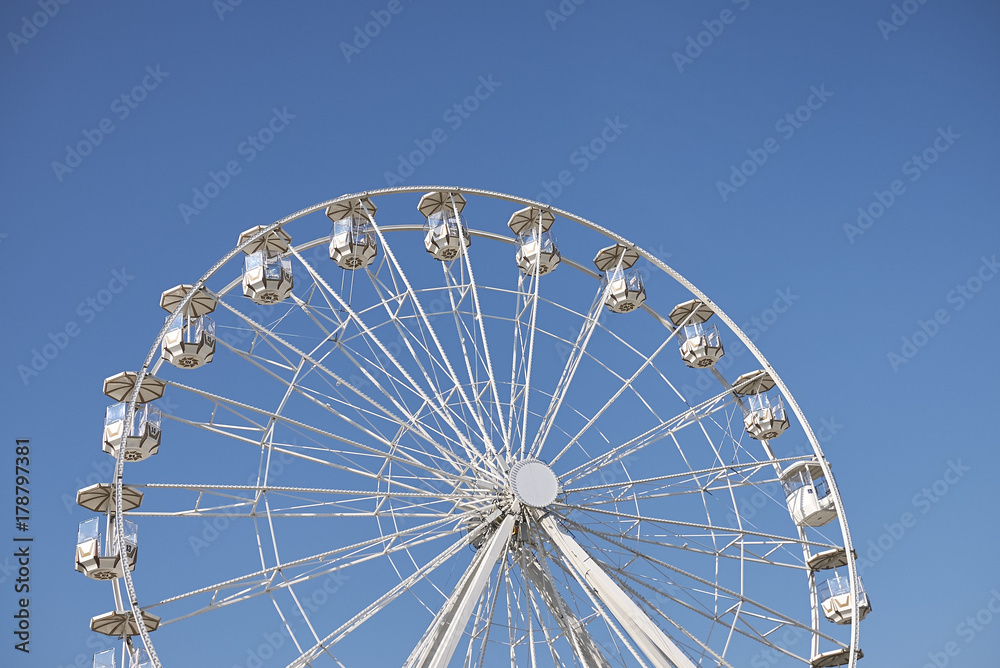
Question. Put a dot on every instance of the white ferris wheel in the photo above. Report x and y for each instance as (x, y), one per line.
(424, 438)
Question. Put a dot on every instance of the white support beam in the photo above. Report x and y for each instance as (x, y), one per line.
(584, 648)
(438, 644)
(653, 642)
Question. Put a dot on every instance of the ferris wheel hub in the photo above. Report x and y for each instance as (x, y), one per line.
(533, 483)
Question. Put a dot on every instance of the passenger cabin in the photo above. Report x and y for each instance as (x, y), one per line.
(144, 439)
(101, 560)
(835, 598)
(139, 438)
(446, 234)
(764, 416)
(699, 342)
(137, 658)
(353, 241)
(189, 342)
(190, 339)
(623, 287)
(267, 272)
(106, 659)
(267, 277)
(537, 252)
(835, 593)
(807, 494)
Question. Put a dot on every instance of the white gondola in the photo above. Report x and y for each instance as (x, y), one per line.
(807, 494)
(106, 659)
(624, 290)
(764, 415)
(353, 241)
(189, 342)
(700, 344)
(267, 277)
(835, 597)
(100, 561)
(190, 339)
(766, 418)
(267, 273)
(139, 439)
(537, 252)
(137, 658)
(446, 234)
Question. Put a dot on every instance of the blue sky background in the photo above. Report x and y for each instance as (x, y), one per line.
(895, 427)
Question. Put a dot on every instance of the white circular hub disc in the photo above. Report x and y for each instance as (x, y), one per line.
(534, 483)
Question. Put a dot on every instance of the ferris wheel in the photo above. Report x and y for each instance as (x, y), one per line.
(390, 430)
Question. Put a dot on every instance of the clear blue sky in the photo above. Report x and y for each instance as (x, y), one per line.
(839, 107)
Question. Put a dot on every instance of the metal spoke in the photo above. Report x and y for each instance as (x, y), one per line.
(444, 359)
(260, 582)
(523, 358)
(665, 429)
(568, 372)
